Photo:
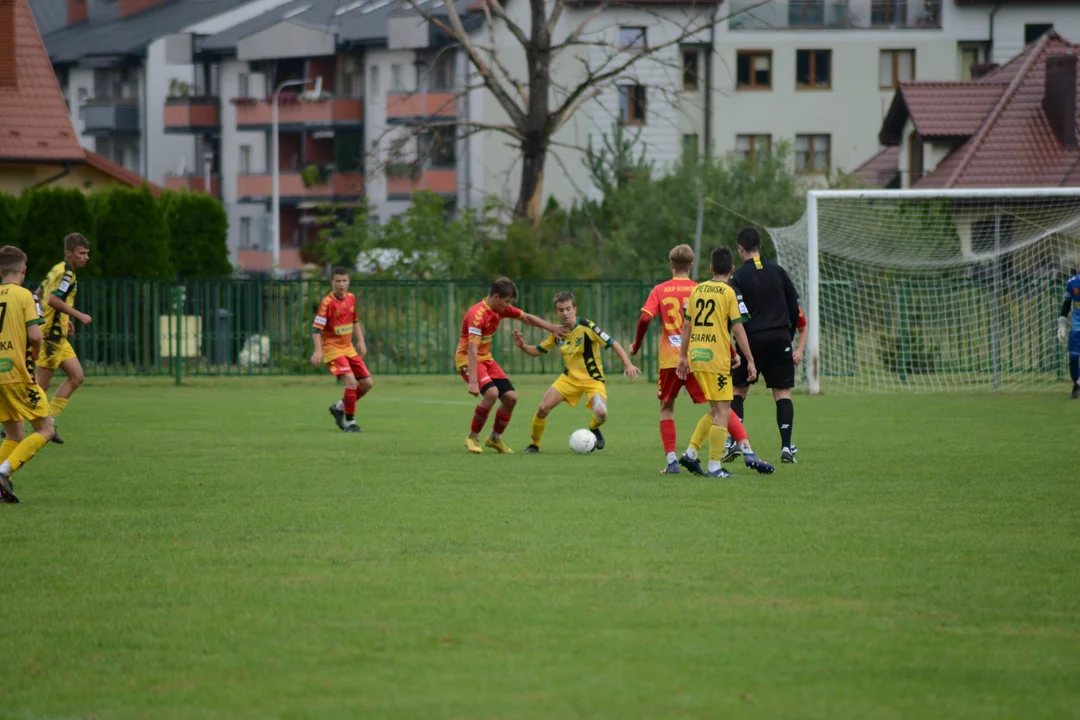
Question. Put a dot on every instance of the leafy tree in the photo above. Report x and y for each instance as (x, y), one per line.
(133, 235)
(198, 235)
(9, 219)
(48, 215)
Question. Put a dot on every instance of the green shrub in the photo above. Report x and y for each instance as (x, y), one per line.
(133, 235)
(47, 215)
(198, 235)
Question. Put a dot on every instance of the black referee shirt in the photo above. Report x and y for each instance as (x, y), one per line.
(770, 297)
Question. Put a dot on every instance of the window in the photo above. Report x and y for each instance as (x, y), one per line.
(243, 85)
(397, 78)
(813, 69)
(812, 154)
(690, 145)
(352, 77)
(245, 233)
(439, 147)
(895, 67)
(754, 148)
(84, 95)
(806, 13)
(1033, 32)
(915, 157)
(442, 73)
(245, 159)
(971, 54)
(374, 80)
(397, 151)
(689, 69)
(888, 13)
(632, 104)
(754, 70)
(632, 38)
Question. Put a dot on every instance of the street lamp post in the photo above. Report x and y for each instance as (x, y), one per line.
(275, 211)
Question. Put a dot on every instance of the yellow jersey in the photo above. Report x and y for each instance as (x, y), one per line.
(60, 282)
(580, 351)
(711, 310)
(18, 311)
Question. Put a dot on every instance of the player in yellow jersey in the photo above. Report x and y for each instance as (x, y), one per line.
(583, 375)
(20, 397)
(57, 298)
(705, 349)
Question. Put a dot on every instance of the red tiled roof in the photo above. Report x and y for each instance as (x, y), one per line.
(1009, 140)
(880, 170)
(34, 120)
(119, 172)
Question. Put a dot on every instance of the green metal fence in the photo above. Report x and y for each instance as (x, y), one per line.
(260, 327)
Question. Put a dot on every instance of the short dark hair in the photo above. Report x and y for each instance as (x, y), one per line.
(504, 287)
(721, 261)
(12, 260)
(75, 240)
(565, 297)
(339, 270)
(749, 239)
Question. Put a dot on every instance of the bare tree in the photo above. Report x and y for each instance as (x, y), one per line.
(538, 105)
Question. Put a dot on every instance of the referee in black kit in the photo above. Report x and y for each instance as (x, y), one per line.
(773, 306)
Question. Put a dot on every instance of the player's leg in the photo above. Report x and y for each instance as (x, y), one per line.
(360, 381)
(339, 367)
(507, 402)
(30, 401)
(43, 373)
(489, 395)
(539, 422)
(741, 384)
(1074, 364)
(689, 459)
(13, 435)
(720, 409)
(667, 389)
(598, 404)
(740, 445)
(74, 371)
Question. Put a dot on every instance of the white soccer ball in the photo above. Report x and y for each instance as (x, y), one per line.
(582, 442)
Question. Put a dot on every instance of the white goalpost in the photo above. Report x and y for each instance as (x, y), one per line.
(932, 290)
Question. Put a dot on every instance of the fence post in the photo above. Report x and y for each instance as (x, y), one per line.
(179, 335)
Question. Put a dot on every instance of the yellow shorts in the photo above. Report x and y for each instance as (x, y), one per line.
(716, 386)
(22, 401)
(572, 390)
(55, 352)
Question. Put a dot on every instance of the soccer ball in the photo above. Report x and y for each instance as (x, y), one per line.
(582, 442)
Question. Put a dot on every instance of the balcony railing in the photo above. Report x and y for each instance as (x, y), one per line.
(193, 183)
(835, 14)
(338, 186)
(257, 115)
(408, 106)
(192, 115)
(437, 180)
(111, 116)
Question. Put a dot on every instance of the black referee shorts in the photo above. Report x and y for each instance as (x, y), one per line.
(772, 357)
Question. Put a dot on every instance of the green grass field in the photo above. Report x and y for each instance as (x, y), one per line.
(221, 550)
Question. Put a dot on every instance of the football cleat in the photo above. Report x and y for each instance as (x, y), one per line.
(498, 446)
(473, 445)
(693, 466)
(720, 473)
(1075, 393)
(731, 451)
(671, 469)
(794, 450)
(599, 439)
(352, 427)
(7, 492)
(755, 463)
(339, 416)
(787, 456)
(531, 450)
(56, 437)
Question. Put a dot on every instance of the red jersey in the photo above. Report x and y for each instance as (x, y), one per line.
(334, 320)
(478, 328)
(667, 300)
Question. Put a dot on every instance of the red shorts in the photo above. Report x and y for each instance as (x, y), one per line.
(343, 365)
(487, 372)
(669, 385)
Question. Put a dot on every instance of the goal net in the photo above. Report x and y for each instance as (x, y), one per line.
(933, 291)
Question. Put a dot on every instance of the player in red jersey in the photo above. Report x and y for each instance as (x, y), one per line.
(335, 323)
(483, 375)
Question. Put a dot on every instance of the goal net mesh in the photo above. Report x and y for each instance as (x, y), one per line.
(937, 294)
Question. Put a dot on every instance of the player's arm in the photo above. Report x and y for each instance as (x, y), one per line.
(472, 365)
(519, 342)
(317, 327)
(1063, 321)
(629, 369)
(57, 303)
(651, 310)
(744, 346)
(791, 296)
(34, 339)
(682, 370)
(529, 319)
(797, 356)
(358, 333)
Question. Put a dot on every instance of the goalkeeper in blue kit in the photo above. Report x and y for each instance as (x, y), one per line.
(1069, 328)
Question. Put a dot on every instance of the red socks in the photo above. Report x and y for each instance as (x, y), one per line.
(735, 428)
(667, 435)
(501, 421)
(350, 401)
(480, 416)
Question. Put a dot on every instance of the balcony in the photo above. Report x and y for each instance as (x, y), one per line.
(337, 186)
(111, 117)
(198, 116)
(836, 15)
(193, 183)
(296, 114)
(404, 107)
(400, 185)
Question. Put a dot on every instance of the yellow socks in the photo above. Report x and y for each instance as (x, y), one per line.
(701, 432)
(536, 433)
(717, 435)
(596, 422)
(7, 448)
(26, 450)
(57, 405)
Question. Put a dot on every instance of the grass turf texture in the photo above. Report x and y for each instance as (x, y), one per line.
(221, 550)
